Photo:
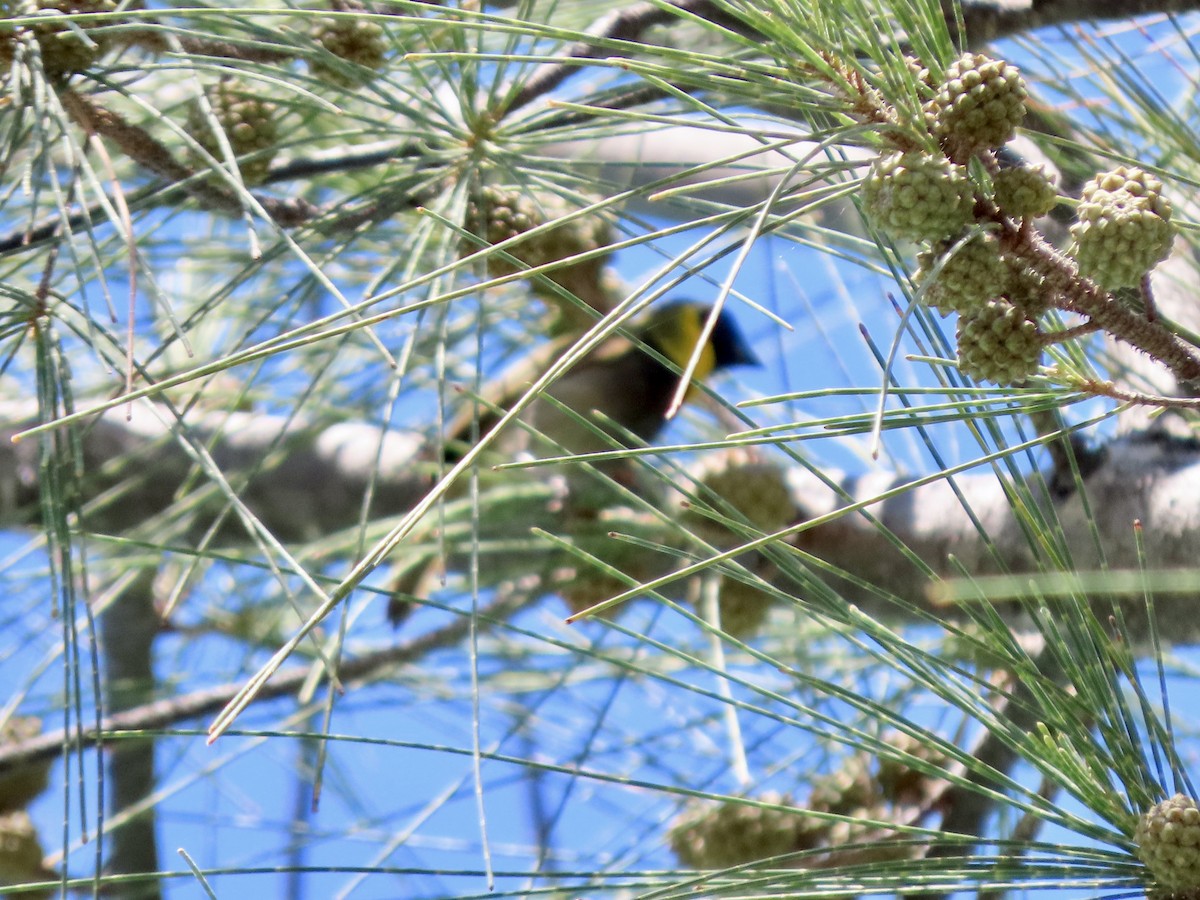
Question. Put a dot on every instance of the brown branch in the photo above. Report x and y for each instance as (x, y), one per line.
(151, 40)
(1074, 293)
(208, 47)
(1069, 334)
(161, 714)
(989, 20)
(966, 806)
(1110, 390)
(984, 21)
(134, 141)
(627, 24)
(145, 150)
(149, 153)
(286, 213)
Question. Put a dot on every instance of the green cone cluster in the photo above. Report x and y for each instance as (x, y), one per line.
(502, 214)
(756, 488)
(1025, 288)
(752, 489)
(735, 833)
(744, 608)
(582, 586)
(945, 184)
(917, 196)
(1168, 842)
(507, 213)
(63, 50)
(499, 214)
(581, 589)
(249, 121)
(1024, 192)
(998, 342)
(869, 797)
(357, 39)
(1123, 227)
(978, 106)
(928, 196)
(969, 276)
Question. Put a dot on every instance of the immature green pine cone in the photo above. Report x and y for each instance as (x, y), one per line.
(504, 214)
(927, 88)
(735, 833)
(845, 790)
(509, 213)
(973, 274)
(249, 121)
(917, 196)
(744, 608)
(63, 50)
(1123, 227)
(1024, 191)
(356, 39)
(1026, 288)
(997, 342)
(755, 488)
(1168, 842)
(583, 586)
(979, 105)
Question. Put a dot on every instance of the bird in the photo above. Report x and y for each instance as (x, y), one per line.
(618, 395)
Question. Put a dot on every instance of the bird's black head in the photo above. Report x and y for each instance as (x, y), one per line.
(674, 329)
(729, 344)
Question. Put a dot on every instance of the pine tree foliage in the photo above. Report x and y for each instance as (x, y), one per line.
(902, 615)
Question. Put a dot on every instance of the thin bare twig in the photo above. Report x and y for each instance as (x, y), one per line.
(162, 714)
(288, 213)
(1068, 334)
(1109, 389)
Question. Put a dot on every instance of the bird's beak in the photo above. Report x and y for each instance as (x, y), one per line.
(744, 356)
(730, 346)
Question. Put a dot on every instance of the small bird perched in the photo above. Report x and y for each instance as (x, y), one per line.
(617, 390)
(616, 396)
